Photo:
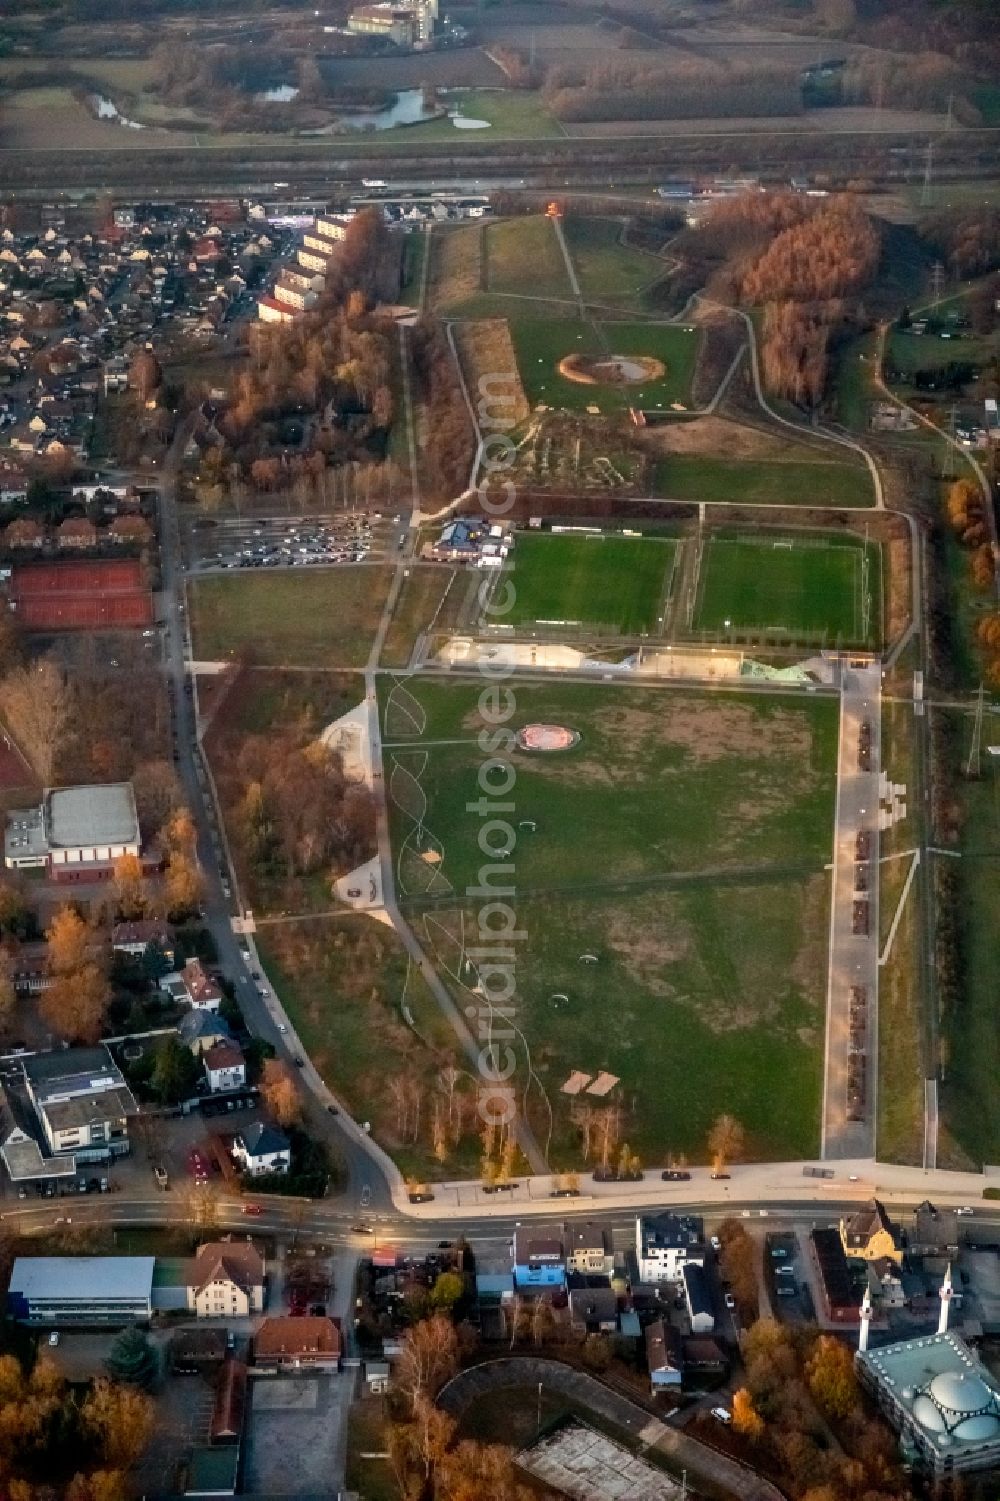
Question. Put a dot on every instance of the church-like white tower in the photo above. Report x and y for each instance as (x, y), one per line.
(946, 1294)
(866, 1318)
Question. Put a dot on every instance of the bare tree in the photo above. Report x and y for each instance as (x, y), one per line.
(37, 703)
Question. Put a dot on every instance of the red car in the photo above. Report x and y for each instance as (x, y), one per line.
(252, 1209)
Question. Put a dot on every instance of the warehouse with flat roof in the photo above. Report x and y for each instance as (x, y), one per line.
(81, 1289)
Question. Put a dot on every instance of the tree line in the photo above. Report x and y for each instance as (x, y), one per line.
(626, 88)
(61, 1441)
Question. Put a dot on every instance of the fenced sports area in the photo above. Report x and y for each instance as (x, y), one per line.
(588, 581)
(806, 589)
(78, 595)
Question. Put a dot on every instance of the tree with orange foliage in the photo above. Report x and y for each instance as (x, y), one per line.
(280, 1092)
(830, 1376)
(129, 885)
(746, 1419)
(68, 940)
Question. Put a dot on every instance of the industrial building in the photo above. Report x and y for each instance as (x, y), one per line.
(76, 833)
(81, 1289)
(405, 25)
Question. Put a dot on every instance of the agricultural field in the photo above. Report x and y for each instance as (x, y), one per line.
(662, 786)
(618, 583)
(542, 343)
(523, 256)
(607, 270)
(455, 270)
(317, 617)
(702, 477)
(805, 588)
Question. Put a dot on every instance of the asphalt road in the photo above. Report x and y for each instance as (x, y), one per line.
(363, 1169)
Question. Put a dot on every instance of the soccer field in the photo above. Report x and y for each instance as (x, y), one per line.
(612, 581)
(805, 588)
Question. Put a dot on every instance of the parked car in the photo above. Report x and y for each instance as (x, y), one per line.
(730, 1301)
(675, 1175)
(252, 1209)
(722, 1415)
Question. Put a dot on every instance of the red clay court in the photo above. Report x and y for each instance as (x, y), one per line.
(107, 594)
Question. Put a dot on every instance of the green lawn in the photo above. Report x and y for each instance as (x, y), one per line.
(429, 599)
(806, 590)
(702, 1000)
(523, 256)
(541, 343)
(970, 1104)
(315, 617)
(610, 581)
(513, 114)
(803, 482)
(662, 783)
(607, 270)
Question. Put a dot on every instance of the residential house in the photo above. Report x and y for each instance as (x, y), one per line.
(225, 1067)
(663, 1356)
(539, 1258)
(201, 991)
(262, 1149)
(664, 1243)
(24, 533)
(291, 1343)
(870, 1234)
(76, 534)
(697, 1298)
(595, 1308)
(134, 938)
(588, 1249)
(935, 1231)
(201, 1030)
(226, 1280)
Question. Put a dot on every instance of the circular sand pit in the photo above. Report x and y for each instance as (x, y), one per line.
(611, 369)
(546, 737)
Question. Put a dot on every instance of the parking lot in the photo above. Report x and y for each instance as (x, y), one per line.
(297, 1433)
(287, 541)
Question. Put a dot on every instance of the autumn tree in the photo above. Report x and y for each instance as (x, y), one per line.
(129, 887)
(74, 1006)
(746, 1419)
(447, 1290)
(280, 1092)
(36, 702)
(726, 1142)
(429, 1357)
(831, 1378)
(68, 940)
(120, 1418)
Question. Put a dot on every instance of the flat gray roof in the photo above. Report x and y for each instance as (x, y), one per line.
(75, 1278)
(82, 816)
(109, 1104)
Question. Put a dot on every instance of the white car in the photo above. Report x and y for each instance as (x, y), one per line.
(722, 1415)
(716, 1243)
(282, 1027)
(967, 1209)
(54, 1337)
(730, 1301)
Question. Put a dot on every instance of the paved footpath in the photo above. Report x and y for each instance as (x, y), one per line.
(853, 956)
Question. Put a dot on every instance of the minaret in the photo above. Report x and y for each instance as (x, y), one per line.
(946, 1294)
(866, 1318)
